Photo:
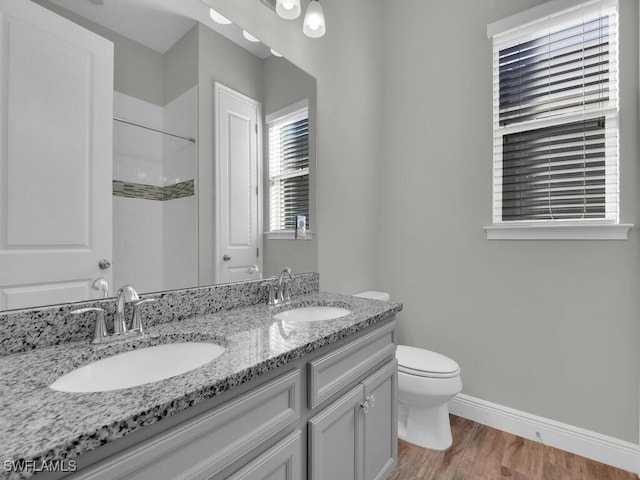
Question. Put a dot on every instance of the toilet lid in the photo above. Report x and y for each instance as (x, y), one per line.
(425, 363)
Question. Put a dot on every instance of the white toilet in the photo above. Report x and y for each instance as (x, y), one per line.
(426, 382)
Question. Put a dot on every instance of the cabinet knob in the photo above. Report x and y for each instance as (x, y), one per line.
(368, 403)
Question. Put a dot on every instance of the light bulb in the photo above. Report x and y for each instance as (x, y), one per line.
(250, 37)
(216, 17)
(314, 25)
(288, 9)
(275, 53)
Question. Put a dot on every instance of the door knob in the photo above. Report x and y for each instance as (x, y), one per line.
(226, 257)
(104, 264)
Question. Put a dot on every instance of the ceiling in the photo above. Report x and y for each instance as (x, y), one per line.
(157, 24)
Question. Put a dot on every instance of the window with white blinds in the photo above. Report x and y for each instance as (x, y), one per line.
(288, 167)
(555, 97)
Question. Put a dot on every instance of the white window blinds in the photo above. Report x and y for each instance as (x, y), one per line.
(288, 168)
(556, 118)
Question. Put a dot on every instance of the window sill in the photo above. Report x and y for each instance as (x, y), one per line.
(559, 232)
(286, 235)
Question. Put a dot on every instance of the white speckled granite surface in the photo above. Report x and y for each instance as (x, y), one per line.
(22, 330)
(40, 424)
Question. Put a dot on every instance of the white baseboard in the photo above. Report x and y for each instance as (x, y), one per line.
(602, 448)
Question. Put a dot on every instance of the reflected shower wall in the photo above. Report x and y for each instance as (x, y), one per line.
(154, 202)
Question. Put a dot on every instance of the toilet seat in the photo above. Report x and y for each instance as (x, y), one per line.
(425, 363)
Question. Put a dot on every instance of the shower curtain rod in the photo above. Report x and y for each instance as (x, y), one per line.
(188, 139)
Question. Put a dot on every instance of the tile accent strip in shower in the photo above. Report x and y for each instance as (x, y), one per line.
(152, 192)
(178, 190)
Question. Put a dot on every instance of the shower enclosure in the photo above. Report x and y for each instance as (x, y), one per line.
(154, 193)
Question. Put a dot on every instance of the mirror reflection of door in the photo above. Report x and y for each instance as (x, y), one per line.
(56, 102)
(237, 139)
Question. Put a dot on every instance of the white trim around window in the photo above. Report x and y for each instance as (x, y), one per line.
(286, 235)
(556, 167)
(603, 231)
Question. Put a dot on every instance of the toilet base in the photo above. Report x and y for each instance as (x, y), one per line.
(426, 427)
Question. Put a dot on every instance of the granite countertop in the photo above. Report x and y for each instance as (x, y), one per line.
(40, 424)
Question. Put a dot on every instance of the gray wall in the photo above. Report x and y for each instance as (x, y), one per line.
(181, 66)
(548, 327)
(285, 84)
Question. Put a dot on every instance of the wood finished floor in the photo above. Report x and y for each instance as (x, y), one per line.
(483, 453)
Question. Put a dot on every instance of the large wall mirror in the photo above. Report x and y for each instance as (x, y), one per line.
(191, 196)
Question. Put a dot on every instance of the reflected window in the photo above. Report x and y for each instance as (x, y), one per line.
(288, 166)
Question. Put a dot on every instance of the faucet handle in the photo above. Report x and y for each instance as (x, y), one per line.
(273, 292)
(100, 329)
(137, 324)
(285, 296)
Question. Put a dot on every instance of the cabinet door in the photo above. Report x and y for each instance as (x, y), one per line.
(280, 462)
(335, 440)
(380, 422)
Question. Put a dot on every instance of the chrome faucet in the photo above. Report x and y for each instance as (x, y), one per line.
(279, 292)
(101, 285)
(255, 270)
(283, 291)
(126, 294)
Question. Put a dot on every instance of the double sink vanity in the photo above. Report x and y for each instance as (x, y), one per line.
(220, 385)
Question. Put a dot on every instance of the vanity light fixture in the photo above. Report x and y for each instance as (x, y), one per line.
(288, 9)
(249, 37)
(216, 17)
(314, 25)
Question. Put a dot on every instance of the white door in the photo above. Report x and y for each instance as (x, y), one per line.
(56, 108)
(237, 195)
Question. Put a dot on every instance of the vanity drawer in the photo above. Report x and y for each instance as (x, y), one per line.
(338, 369)
(283, 461)
(205, 445)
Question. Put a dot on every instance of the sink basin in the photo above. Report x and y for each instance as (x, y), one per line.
(137, 367)
(312, 314)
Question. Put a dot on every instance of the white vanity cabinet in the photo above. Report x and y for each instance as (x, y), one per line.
(355, 438)
(202, 447)
(329, 415)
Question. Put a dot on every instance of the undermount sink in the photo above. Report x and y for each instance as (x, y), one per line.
(137, 367)
(312, 314)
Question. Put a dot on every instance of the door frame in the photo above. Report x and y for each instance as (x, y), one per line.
(217, 241)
